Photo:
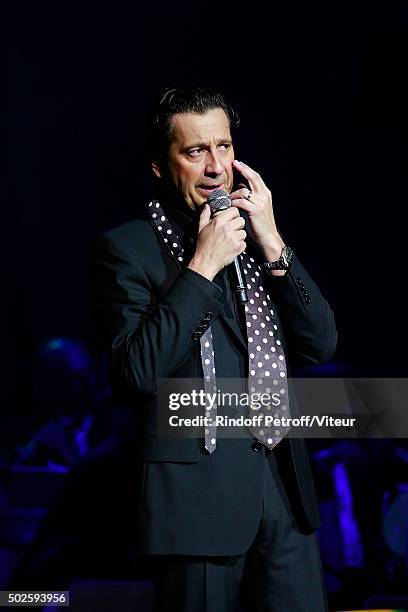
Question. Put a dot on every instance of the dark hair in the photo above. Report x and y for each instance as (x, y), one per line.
(189, 100)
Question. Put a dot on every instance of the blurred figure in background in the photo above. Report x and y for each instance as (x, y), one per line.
(357, 481)
(72, 409)
(79, 430)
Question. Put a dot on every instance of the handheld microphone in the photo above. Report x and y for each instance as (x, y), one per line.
(220, 200)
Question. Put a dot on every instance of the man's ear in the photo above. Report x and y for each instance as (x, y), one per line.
(156, 169)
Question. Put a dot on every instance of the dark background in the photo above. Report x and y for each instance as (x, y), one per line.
(321, 93)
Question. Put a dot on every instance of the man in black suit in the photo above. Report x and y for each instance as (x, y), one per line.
(219, 516)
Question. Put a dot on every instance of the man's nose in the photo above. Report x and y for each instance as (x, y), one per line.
(213, 165)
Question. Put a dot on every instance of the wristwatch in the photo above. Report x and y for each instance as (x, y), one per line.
(283, 263)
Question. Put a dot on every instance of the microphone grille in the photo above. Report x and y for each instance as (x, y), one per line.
(219, 199)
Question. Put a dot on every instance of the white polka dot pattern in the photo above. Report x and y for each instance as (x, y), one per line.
(164, 228)
(264, 328)
(206, 342)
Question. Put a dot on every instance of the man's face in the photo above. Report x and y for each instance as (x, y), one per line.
(200, 155)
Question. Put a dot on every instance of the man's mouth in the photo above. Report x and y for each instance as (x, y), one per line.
(209, 188)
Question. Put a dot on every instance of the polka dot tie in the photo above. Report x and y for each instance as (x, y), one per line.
(173, 243)
(267, 366)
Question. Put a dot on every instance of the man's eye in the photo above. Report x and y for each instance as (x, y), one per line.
(194, 152)
(225, 146)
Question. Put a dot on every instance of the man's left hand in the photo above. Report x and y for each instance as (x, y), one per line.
(257, 202)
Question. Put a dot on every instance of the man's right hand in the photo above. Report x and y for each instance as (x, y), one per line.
(220, 239)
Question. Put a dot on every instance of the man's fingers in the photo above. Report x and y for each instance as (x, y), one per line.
(232, 212)
(238, 223)
(232, 220)
(240, 193)
(244, 204)
(254, 179)
(228, 214)
(244, 169)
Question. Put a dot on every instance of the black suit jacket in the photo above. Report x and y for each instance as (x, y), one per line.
(147, 311)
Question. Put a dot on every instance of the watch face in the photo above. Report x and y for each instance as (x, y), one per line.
(287, 256)
(284, 261)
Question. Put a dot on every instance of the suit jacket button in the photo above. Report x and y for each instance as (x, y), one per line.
(257, 446)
